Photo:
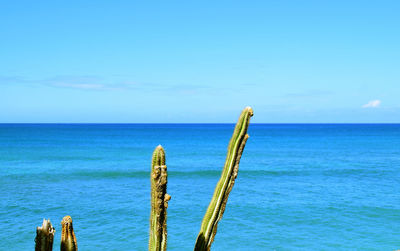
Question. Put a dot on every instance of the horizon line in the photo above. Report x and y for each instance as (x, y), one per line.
(199, 123)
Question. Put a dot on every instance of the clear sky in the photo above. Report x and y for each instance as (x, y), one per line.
(199, 61)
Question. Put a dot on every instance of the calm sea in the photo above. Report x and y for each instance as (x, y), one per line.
(300, 186)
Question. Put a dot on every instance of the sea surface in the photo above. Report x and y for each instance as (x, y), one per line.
(299, 187)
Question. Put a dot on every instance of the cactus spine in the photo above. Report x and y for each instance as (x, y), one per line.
(218, 202)
(159, 201)
(44, 236)
(68, 239)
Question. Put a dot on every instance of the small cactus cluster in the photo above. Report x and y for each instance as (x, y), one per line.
(159, 199)
(45, 236)
(216, 208)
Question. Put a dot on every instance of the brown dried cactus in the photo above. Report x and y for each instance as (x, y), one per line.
(44, 236)
(68, 239)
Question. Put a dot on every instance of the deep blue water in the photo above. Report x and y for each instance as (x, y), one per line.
(300, 186)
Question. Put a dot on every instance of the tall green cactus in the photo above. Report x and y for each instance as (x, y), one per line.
(218, 202)
(44, 236)
(159, 202)
(68, 239)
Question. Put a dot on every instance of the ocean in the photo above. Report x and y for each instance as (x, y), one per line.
(299, 187)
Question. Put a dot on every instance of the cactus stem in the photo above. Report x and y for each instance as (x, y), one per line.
(218, 202)
(68, 239)
(44, 236)
(159, 201)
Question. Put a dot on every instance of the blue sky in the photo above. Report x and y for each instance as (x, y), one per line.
(199, 61)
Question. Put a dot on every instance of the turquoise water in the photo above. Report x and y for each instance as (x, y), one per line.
(324, 187)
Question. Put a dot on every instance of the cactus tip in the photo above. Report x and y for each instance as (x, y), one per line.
(249, 110)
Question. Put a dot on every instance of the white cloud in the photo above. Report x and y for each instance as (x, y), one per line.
(81, 86)
(372, 104)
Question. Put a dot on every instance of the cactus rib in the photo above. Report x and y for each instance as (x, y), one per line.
(218, 202)
(159, 201)
(44, 236)
(68, 239)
